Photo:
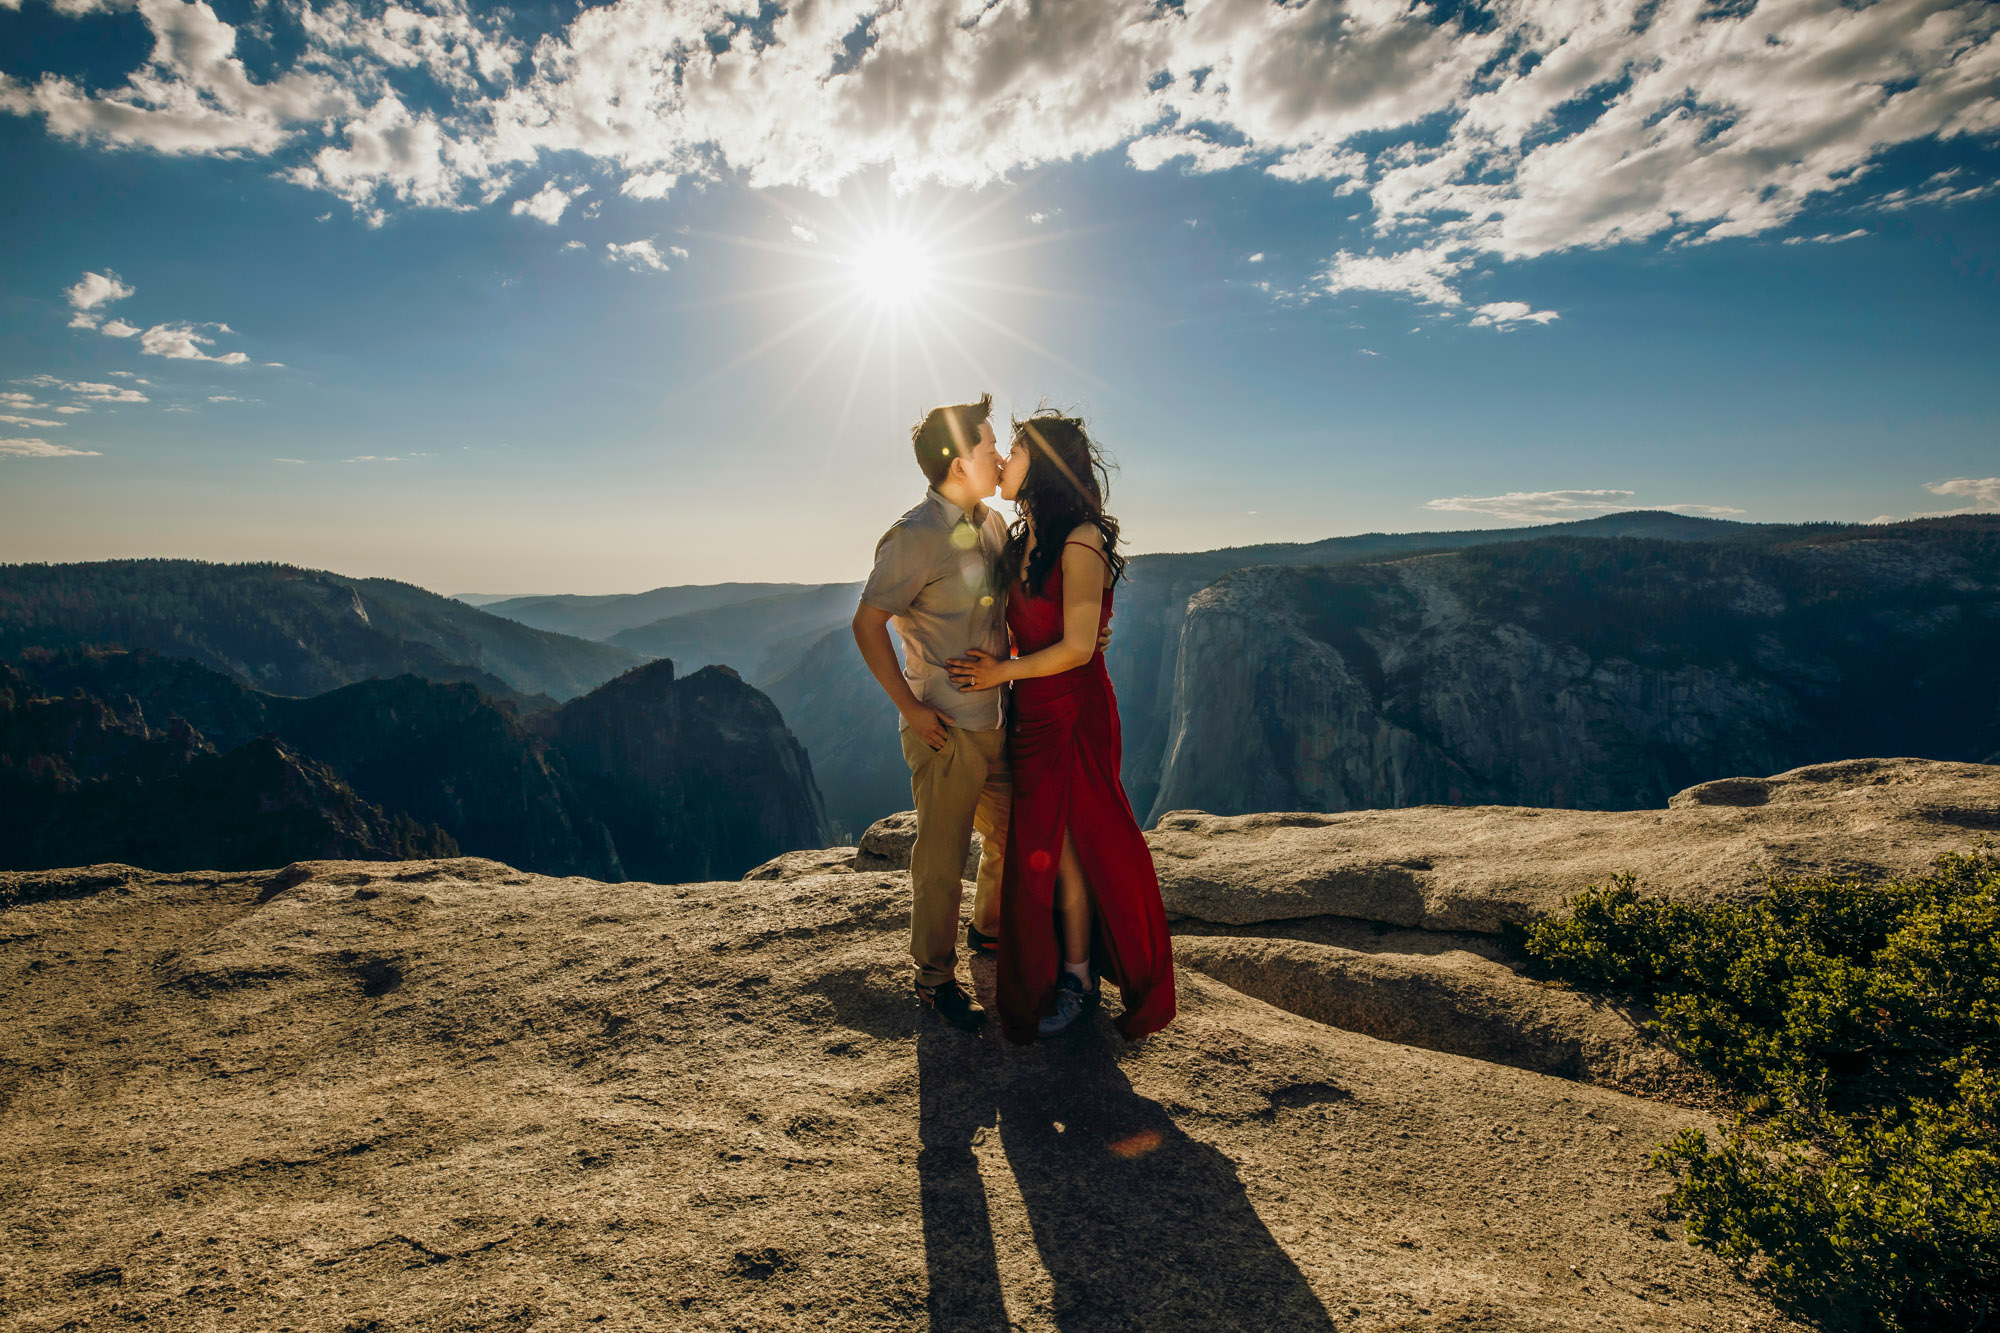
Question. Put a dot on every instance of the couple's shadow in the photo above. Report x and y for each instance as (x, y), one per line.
(1139, 1226)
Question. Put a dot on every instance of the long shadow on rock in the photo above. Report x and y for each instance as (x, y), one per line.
(1139, 1226)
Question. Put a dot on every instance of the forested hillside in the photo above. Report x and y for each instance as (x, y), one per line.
(292, 631)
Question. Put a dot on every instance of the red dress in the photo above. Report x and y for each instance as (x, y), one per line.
(1064, 747)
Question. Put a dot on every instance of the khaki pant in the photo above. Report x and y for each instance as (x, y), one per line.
(959, 787)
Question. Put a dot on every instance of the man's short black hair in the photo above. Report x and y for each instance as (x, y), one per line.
(946, 433)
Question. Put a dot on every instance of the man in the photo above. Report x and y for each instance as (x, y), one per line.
(937, 575)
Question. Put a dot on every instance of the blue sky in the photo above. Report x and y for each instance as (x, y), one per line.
(580, 300)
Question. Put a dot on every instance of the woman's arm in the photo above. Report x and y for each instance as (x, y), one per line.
(1083, 572)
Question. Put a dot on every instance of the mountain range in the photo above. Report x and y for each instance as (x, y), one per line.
(294, 631)
(1599, 664)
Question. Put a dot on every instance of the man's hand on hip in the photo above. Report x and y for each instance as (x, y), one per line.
(930, 725)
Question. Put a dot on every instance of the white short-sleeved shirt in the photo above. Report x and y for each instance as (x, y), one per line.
(936, 572)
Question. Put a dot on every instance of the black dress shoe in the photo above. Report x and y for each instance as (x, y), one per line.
(979, 941)
(952, 1004)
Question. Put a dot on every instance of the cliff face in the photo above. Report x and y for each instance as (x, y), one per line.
(79, 775)
(647, 777)
(849, 728)
(693, 778)
(1600, 675)
(1153, 605)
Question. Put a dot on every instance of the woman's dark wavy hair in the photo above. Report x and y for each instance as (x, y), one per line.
(1065, 486)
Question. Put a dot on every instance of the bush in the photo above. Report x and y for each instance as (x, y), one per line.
(1860, 1026)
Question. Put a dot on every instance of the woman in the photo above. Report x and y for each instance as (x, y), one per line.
(1073, 845)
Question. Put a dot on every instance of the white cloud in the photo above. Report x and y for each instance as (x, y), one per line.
(70, 409)
(639, 256)
(1545, 127)
(1424, 274)
(574, 245)
(677, 252)
(1562, 506)
(1201, 153)
(1506, 314)
(649, 185)
(96, 289)
(32, 448)
(83, 319)
(547, 204)
(375, 458)
(1982, 492)
(806, 234)
(228, 398)
(180, 342)
(118, 328)
(191, 96)
(1257, 258)
(88, 389)
(13, 420)
(1828, 238)
(14, 399)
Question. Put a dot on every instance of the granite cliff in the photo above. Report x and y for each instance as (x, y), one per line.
(1591, 675)
(648, 776)
(694, 778)
(445, 1093)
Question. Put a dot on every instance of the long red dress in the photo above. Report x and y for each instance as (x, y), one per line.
(1064, 747)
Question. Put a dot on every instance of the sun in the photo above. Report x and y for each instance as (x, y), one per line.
(893, 269)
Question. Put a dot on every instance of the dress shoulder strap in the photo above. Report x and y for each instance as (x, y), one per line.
(1096, 551)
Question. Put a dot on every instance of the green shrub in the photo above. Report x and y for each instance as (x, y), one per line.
(1860, 1025)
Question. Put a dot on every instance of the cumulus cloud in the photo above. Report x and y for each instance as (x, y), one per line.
(1425, 274)
(1506, 314)
(1982, 493)
(806, 234)
(118, 328)
(96, 289)
(639, 256)
(14, 399)
(89, 390)
(181, 342)
(33, 448)
(192, 95)
(1563, 506)
(14, 420)
(1201, 153)
(547, 204)
(649, 184)
(1537, 128)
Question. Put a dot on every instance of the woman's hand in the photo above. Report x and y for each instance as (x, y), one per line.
(978, 670)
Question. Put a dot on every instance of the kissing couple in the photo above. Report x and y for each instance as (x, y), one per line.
(1009, 725)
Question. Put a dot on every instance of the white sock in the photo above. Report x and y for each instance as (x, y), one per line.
(1081, 971)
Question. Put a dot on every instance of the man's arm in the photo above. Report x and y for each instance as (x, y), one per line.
(871, 636)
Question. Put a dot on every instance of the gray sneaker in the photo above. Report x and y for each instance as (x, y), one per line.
(1070, 999)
